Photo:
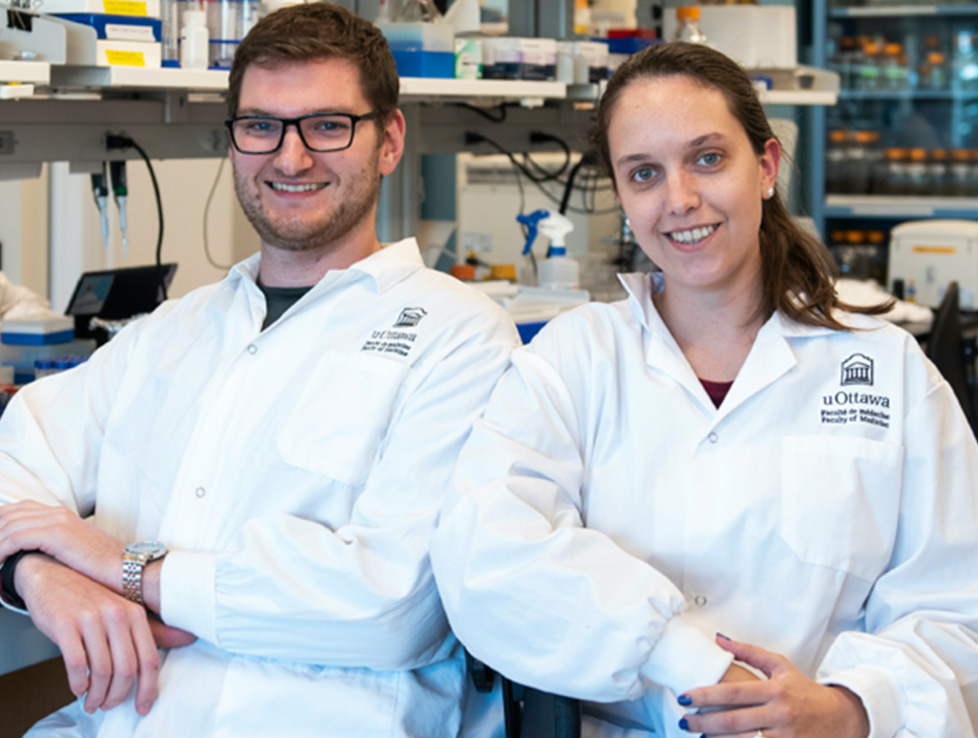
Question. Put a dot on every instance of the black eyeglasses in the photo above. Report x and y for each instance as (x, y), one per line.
(320, 132)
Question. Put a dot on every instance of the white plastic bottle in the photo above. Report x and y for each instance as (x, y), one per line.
(193, 40)
(688, 29)
(558, 271)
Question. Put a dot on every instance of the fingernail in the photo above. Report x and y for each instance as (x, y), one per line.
(684, 700)
(721, 635)
(683, 723)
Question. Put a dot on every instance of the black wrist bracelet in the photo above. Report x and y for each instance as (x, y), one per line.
(7, 579)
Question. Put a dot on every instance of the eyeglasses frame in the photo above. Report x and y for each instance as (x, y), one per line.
(286, 122)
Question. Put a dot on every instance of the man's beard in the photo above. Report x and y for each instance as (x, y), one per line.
(298, 234)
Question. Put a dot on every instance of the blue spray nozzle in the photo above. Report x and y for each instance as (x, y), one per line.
(532, 223)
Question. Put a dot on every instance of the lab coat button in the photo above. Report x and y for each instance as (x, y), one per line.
(713, 437)
(252, 349)
(200, 492)
(700, 600)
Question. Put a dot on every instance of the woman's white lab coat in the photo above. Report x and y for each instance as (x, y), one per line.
(612, 520)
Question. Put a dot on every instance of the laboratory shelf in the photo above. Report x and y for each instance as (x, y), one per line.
(139, 78)
(25, 71)
(426, 87)
(900, 207)
(412, 88)
(892, 11)
(860, 95)
(799, 97)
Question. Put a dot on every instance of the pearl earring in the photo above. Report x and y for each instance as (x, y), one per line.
(770, 192)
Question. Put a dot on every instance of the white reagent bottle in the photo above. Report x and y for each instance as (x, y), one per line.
(193, 40)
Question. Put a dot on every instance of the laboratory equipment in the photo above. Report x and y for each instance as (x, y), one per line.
(100, 191)
(228, 21)
(119, 191)
(930, 254)
(170, 32)
(688, 25)
(193, 40)
(756, 36)
(558, 271)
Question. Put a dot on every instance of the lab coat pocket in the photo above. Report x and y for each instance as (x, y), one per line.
(840, 501)
(342, 415)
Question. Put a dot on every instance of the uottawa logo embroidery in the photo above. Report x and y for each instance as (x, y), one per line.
(853, 406)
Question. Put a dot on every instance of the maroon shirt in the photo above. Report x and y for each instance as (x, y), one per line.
(716, 390)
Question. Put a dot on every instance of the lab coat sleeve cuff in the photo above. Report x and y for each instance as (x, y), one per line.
(187, 593)
(685, 658)
(880, 695)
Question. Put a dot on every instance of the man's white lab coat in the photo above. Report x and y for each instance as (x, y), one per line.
(296, 474)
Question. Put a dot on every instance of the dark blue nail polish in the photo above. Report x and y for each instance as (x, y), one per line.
(721, 635)
(683, 723)
(684, 700)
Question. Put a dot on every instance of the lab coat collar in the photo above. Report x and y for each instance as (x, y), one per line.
(385, 268)
(770, 357)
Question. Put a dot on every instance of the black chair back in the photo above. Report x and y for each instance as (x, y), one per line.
(946, 348)
(529, 713)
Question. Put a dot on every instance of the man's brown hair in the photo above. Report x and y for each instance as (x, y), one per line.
(314, 31)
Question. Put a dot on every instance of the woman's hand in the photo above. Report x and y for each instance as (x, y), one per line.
(786, 705)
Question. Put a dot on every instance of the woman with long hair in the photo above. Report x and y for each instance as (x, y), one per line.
(730, 450)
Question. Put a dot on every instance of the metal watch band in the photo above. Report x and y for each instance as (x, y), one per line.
(132, 576)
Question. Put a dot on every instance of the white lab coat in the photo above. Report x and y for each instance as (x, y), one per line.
(612, 521)
(296, 474)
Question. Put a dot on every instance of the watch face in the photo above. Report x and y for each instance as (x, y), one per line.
(150, 549)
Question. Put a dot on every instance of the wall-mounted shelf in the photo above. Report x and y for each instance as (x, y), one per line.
(179, 113)
(413, 89)
(25, 71)
(212, 80)
(418, 87)
(139, 79)
(900, 207)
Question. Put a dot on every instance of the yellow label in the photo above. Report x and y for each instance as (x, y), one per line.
(124, 7)
(125, 58)
(933, 249)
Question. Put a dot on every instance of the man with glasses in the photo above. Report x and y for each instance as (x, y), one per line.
(251, 474)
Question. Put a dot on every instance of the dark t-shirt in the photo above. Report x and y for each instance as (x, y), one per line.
(280, 299)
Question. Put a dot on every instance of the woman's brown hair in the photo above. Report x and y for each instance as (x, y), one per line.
(798, 272)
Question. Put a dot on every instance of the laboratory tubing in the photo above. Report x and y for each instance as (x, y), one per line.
(193, 40)
(688, 17)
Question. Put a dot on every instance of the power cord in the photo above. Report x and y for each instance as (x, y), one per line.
(116, 142)
(207, 210)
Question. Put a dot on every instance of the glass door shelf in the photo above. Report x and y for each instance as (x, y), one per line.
(902, 207)
(858, 95)
(885, 11)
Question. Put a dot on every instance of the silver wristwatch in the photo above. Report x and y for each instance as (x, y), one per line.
(134, 560)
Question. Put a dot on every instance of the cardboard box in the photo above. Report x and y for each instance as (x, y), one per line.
(141, 8)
